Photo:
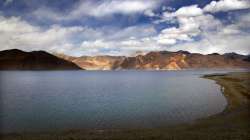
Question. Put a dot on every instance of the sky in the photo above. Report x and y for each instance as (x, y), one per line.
(125, 27)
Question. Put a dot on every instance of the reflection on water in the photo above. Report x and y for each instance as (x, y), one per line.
(56, 100)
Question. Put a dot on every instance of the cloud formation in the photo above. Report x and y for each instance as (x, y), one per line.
(193, 28)
(114, 7)
(186, 11)
(214, 35)
(73, 40)
(16, 33)
(100, 9)
(227, 5)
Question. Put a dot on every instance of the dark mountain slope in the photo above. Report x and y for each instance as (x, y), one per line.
(36, 60)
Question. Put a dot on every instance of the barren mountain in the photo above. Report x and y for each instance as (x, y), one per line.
(95, 62)
(162, 60)
(165, 60)
(36, 60)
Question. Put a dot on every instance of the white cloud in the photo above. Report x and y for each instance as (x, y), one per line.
(114, 6)
(15, 25)
(213, 7)
(139, 31)
(192, 22)
(123, 47)
(186, 11)
(16, 33)
(149, 13)
(197, 31)
(226, 5)
(75, 40)
(243, 21)
(100, 9)
(217, 44)
(213, 35)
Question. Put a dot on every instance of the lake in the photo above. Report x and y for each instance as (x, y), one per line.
(34, 101)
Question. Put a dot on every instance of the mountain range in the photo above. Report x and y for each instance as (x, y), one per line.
(161, 60)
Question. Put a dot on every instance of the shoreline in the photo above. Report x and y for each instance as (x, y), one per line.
(235, 90)
(232, 123)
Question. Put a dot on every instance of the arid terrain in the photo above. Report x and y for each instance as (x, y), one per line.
(164, 60)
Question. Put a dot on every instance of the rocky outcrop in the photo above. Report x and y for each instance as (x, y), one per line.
(36, 60)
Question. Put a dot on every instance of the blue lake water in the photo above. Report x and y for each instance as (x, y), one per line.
(63, 100)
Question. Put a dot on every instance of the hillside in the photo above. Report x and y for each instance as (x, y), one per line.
(36, 60)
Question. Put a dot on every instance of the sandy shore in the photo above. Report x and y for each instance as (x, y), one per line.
(235, 87)
(232, 124)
